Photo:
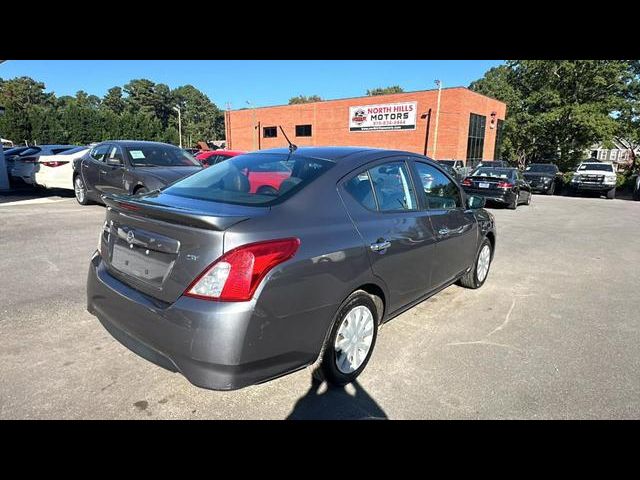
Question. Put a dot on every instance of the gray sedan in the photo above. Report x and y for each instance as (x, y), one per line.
(279, 259)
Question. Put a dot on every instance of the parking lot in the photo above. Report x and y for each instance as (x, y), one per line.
(554, 333)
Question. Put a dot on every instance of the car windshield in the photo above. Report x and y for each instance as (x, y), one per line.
(541, 168)
(603, 167)
(252, 179)
(493, 172)
(156, 155)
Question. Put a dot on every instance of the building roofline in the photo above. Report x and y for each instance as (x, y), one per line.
(363, 97)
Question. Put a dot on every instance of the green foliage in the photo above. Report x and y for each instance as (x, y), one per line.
(304, 99)
(556, 109)
(144, 112)
(385, 90)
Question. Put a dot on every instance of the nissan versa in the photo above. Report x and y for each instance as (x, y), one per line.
(232, 287)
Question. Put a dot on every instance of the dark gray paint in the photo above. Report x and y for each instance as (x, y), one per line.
(222, 345)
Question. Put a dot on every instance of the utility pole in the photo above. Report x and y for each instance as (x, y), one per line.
(435, 134)
(177, 109)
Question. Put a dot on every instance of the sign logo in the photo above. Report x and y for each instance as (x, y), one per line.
(130, 236)
(387, 116)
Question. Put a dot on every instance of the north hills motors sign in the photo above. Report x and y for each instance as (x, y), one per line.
(387, 116)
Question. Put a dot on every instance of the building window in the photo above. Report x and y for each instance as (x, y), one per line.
(602, 155)
(269, 132)
(475, 143)
(614, 155)
(497, 151)
(303, 130)
(594, 153)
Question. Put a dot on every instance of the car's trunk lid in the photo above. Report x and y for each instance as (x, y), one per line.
(158, 244)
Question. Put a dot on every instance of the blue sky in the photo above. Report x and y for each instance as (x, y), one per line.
(262, 82)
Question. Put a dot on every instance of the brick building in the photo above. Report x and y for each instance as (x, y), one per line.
(468, 126)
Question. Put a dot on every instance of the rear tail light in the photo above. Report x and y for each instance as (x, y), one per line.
(54, 164)
(505, 185)
(235, 276)
(466, 182)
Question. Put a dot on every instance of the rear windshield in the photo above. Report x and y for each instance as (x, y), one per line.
(493, 172)
(30, 151)
(160, 156)
(541, 168)
(251, 179)
(70, 151)
(603, 167)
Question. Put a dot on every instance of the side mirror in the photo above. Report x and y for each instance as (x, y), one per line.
(474, 202)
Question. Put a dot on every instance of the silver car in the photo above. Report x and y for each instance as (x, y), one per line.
(275, 260)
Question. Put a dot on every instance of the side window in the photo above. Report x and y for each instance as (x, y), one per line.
(115, 154)
(360, 188)
(439, 192)
(100, 152)
(392, 186)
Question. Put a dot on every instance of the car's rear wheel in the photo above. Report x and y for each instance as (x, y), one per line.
(350, 344)
(476, 277)
(528, 199)
(513, 205)
(80, 191)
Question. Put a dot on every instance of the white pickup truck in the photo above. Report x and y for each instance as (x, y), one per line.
(594, 177)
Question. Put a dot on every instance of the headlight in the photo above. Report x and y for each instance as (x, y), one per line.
(575, 178)
(546, 179)
(610, 180)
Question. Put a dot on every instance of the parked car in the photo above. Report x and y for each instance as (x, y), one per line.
(636, 188)
(233, 288)
(453, 167)
(129, 167)
(24, 164)
(543, 177)
(11, 154)
(502, 185)
(592, 176)
(56, 171)
(211, 157)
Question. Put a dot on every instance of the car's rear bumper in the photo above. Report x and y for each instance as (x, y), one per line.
(492, 195)
(215, 345)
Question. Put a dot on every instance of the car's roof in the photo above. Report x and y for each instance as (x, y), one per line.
(329, 153)
(135, 142)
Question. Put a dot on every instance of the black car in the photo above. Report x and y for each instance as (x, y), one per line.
(543, 177)
(501, 185)
(130, 167)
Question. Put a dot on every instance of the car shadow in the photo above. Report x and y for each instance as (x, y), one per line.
(325, 402)
(22, 191)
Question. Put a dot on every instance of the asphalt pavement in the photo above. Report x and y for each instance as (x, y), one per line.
(553, 334)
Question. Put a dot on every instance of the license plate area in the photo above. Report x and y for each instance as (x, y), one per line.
(483, 185)
(142, 264)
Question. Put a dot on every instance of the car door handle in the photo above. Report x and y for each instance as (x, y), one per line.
(379, 246)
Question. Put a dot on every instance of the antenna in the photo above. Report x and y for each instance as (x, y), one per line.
(292, 147)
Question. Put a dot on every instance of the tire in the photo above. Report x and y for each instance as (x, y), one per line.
(336, 365)
(636, 195)
(476, 277)
(528, 202)
(140, 191)
(514, 204)
(611, 194)
(267, 190)
(552, 189)
(80, 191)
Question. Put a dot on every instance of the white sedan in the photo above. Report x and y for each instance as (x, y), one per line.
(56, 171)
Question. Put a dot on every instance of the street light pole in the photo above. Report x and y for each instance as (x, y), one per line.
(177, 109)
(435, 134)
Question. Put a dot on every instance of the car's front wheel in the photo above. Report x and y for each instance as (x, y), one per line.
(611, 194)
(476, 277)
(351, 341)
(80, 191)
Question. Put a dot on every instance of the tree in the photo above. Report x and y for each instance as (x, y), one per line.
(628, 118)
(304, 99)
(25, 102)
(113, 100)
(200, 116)
(556, 109)
(385, 91)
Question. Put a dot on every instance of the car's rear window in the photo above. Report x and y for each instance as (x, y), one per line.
(493, 172)
(541, 168)
(252, 179)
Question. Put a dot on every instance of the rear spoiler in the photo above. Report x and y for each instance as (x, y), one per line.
(192, 218)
